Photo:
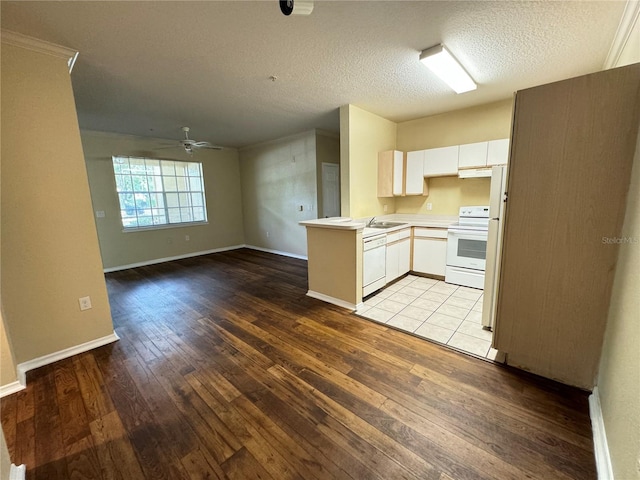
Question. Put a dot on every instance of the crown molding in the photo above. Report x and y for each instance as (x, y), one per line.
(40, 46)
(627, 22)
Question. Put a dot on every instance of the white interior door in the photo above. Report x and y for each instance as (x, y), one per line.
(330, 189)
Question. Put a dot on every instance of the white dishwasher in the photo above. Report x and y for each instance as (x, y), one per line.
(374, 258)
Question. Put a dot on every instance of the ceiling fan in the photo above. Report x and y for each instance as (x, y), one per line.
(190, 145)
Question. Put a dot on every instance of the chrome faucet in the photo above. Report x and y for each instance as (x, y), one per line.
(371, 221)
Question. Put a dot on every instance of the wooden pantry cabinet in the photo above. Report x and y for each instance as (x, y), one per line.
(572, 149)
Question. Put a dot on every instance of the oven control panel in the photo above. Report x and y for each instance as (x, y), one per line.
(476, 211)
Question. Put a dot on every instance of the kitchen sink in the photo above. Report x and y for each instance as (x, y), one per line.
(385, 224)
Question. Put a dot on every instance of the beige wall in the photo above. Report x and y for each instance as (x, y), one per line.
(221, 173)
(327, 151)
(619, 374)
(491, 121)
(277, 178)
(50, 255)
(8, 372)
(446, 195)
(5, 461)
(362, 136)
(7, 364)
(477, 124)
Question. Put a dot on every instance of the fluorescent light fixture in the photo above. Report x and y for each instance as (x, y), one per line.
(441, 62)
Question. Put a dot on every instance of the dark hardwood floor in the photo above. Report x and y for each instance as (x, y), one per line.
(225, 369)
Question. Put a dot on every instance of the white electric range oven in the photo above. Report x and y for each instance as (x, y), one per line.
(467, 247)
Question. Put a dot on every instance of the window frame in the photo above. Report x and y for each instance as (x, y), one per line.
(165, 209)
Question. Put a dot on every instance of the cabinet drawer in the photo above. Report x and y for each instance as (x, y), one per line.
(426, 232)
(396, 236)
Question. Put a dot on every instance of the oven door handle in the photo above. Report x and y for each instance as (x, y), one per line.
(471, 234)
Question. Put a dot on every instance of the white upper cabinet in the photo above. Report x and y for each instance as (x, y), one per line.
(440, 162)
(398, 172)
(415, 184)
(473, 155)
(498, 152)
(404, 175)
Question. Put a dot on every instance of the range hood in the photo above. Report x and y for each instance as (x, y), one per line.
(474, 173)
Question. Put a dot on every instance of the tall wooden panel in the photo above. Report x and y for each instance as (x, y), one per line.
(572, 149)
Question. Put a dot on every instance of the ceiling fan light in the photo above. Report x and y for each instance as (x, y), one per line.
(446, 67)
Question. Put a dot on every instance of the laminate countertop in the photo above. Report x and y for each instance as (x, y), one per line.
(407, 220)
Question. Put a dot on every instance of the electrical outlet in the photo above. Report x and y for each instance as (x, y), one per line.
(384, 207)
(187, 238)
(267, 234)
(429, 206)
(99, 213)
(85, 303)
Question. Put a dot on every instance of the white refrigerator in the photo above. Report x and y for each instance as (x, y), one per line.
(497, 201)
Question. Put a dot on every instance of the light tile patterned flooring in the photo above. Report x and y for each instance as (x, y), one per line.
(434, 310)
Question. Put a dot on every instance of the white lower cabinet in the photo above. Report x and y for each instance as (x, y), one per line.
(398, 254)
(404, 256)
(429, 250)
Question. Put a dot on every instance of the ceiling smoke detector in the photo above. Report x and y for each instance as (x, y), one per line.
(297, 7)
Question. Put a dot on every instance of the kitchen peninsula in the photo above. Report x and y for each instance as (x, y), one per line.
(335, 252)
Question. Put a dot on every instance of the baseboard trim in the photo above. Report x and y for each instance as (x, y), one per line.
(10, 388)
(277, 252)
(17, 472)
(171, 259)
(600, 446)
(332, 300)
(25, 367)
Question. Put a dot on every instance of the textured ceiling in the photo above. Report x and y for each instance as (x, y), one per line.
(148, 68)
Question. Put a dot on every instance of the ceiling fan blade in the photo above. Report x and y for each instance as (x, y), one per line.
(210, 147)
(206, 145)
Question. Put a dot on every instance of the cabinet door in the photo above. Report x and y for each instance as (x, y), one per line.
(429, 255)
(440, 162)
(392, 262)
(473, 155)
(390, 173)
(498, 152)
(415, 184)
(398, 173)
(404, 256)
